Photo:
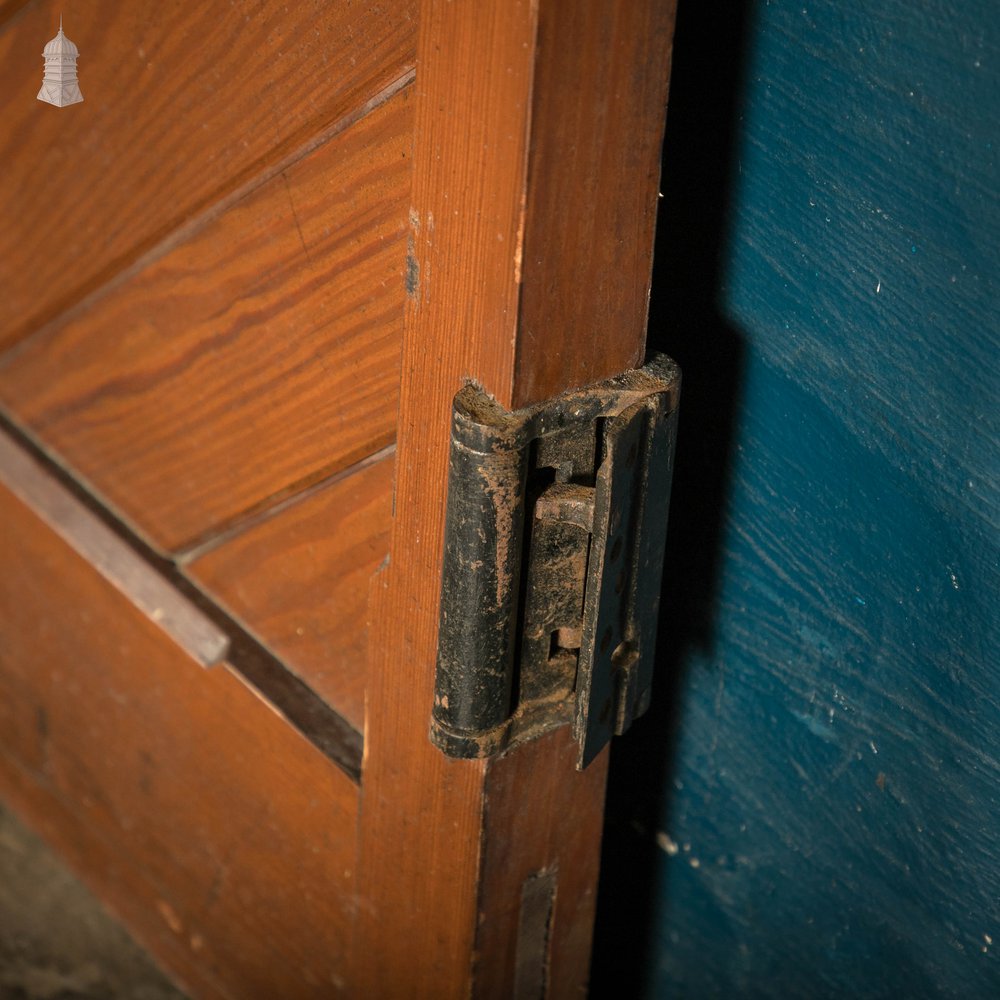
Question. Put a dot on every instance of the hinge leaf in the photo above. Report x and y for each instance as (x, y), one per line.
(555, 531)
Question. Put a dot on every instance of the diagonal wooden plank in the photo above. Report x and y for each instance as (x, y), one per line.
(258, 356)
(298, 579)
(224, 837)
(113, 558)
(173, 117)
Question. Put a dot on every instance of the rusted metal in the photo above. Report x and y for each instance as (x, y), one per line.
(554, 538)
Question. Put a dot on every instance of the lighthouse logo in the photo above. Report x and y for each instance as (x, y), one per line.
(59, 85)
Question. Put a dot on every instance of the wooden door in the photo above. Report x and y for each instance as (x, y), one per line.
(241, 283)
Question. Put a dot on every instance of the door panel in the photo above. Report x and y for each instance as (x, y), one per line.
(256, 357)
(232, 818)
(184, 104)
(298, 579)
(589, 280)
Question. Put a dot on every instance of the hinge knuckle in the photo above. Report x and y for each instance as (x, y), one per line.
(554, 536)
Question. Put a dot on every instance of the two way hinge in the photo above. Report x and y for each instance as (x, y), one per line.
(554, 540)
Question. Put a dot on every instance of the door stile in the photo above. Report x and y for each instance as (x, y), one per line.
(536, 143)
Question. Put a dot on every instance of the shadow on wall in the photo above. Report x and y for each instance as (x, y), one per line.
(698, 164)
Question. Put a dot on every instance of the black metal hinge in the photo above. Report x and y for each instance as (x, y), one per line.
(554, 538)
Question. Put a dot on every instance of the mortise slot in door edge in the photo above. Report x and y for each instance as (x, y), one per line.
(87, 535)
(534, 935)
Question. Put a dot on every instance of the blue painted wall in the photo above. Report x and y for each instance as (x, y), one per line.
(812, 808)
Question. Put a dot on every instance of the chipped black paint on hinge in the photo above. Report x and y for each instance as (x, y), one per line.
(554, 537)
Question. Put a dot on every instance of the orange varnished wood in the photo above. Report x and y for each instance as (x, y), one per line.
(600, 93)
(421, 818)
(299, 581)
(540, 816)
(183, 104)
(116, 877)
(597, 129)
(103, 548)
(8, 8)
(198, 377)
(256, 357)
(226, 839)
(428, 822)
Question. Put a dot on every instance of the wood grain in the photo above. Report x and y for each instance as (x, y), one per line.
(117, 878)
(258, 356)
(540, 816)
(236, 833)
(182, 104)
(597, 131)
(156, 586)
(299, 580)
(477, 103)
(171, 782)
(472, 94)
(112, 557)
(8, 8)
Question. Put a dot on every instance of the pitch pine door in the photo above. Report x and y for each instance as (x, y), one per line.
(241, 283)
